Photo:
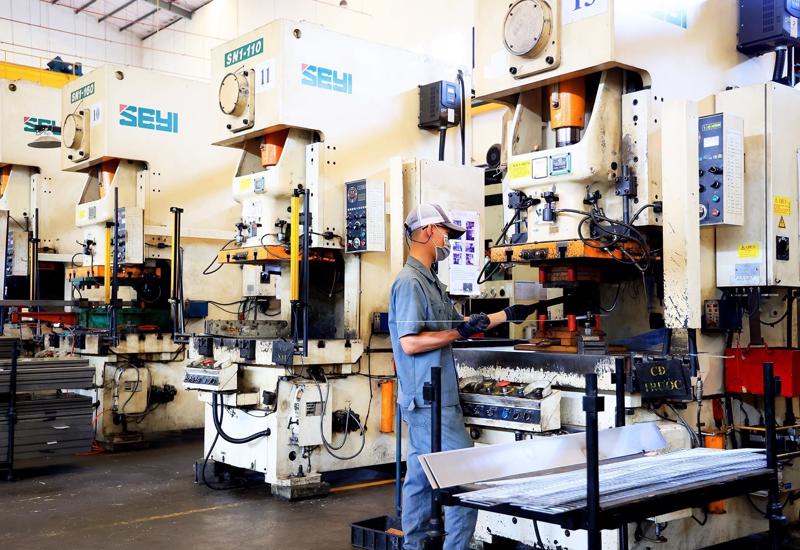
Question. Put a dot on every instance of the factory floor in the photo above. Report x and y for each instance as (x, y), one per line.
(147, 499)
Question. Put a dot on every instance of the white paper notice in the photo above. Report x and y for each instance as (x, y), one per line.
(376, 216)
(465, 259)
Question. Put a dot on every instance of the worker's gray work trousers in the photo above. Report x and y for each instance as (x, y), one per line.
(459, 523)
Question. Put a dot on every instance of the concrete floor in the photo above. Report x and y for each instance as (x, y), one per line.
(147, 499)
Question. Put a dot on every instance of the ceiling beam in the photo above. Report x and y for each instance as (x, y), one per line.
(142, 18)
(159, 29)
(170, 7)
(86, 5)
(119, 9)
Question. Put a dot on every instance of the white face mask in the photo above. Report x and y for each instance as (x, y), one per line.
(442, 252)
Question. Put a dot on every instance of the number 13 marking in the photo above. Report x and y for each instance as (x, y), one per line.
(582, 4)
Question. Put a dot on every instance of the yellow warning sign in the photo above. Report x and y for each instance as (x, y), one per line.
(519, 169)
(749, 250)
(782, 205)
(244, 184)
(781, 223)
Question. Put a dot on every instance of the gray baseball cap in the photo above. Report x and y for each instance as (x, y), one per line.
(432, 214)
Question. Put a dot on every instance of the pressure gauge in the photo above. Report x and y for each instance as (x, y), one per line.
(72, 131)
(526, 29)
(233, 92)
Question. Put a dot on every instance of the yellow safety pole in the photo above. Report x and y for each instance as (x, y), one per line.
(108, 268)
(294, 250)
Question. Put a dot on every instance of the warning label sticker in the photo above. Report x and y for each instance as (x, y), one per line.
(782, 205)
(749, 250)
(781, 223)
(519, 169)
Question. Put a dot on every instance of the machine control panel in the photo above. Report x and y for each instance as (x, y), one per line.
(210, 375)
(721, 170)
(365, 216)
(511, 406)
(529, 413)
(130, 236)
(722, 315)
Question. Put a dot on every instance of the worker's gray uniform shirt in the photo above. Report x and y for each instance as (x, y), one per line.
(419, 303)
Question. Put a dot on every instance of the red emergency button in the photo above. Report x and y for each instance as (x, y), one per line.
(715, 213)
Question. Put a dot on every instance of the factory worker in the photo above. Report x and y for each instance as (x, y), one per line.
(423, 323)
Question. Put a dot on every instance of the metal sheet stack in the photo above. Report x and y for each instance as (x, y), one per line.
(50, 420)
(53, 425)
(47, 374)
(621, 481)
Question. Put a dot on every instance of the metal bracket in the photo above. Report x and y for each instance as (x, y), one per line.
(594, 404)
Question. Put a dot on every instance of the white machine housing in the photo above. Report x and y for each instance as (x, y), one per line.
(33, 179)
(764, 250)
(152, 122)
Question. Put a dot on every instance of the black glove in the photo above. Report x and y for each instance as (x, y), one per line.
(477, 322)
(518, 312)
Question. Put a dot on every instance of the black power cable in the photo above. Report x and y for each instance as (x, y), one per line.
(442, 138)
(213, 261)
(226, 437)
(462, 122)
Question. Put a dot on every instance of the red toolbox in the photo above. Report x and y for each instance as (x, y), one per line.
(744, 371)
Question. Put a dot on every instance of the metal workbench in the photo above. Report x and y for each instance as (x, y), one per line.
(616, 514)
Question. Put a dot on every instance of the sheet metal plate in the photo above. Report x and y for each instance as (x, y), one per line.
(536, 455)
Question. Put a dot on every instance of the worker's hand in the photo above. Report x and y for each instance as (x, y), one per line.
(477, 322)
(518, 312)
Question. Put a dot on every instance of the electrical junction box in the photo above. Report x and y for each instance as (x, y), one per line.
(767, 24)
(763, 250)
(744, 370)
(722, 315)
(257, 282)
(439, 105)
(365, 216)
(131, 390)
(380, 322)
(309, 402)
(721, 159)
(196, 309)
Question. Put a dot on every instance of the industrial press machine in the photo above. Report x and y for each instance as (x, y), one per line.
(333, 154)
(150, 216)
(41, 413)
(651, 182)
(38, 240)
